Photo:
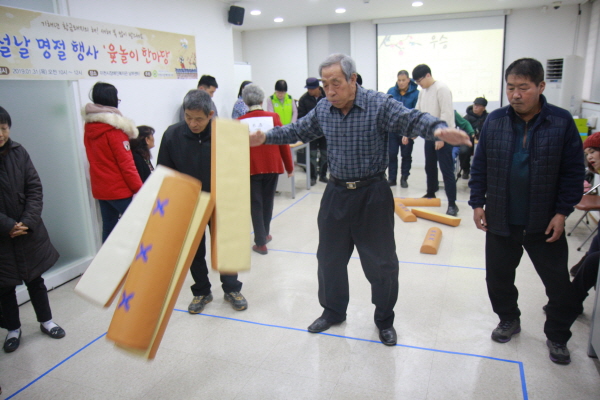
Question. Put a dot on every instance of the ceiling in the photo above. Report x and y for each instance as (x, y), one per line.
(322, 12)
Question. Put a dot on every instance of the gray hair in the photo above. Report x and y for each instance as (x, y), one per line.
(253, 95)
(346, 62)
(198, 100)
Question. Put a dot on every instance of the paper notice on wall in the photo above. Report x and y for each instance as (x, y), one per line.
(263, 124)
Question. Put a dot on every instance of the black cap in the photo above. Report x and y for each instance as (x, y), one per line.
(480, 101)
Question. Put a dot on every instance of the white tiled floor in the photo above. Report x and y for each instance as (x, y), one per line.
(443, 319)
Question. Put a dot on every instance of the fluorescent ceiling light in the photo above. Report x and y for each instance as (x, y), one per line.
(417, 3)
(255, 12)
(278, 19)
(340, 10)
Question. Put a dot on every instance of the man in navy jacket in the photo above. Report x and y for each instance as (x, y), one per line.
(405, 91)
(527, 176)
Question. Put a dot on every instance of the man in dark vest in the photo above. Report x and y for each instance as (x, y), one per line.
(527, 176)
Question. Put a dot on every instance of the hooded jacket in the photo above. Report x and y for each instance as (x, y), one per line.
(410, 97)
(24, 257)
(476, 120)
(113, 174)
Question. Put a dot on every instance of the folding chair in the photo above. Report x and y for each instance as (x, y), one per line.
(587, 203)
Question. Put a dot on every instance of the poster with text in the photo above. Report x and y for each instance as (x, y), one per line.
(35, 45)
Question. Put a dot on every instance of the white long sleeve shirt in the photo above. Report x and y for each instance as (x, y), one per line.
(437, 101)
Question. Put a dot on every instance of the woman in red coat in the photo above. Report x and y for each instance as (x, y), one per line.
(266, 163)
(113, 175)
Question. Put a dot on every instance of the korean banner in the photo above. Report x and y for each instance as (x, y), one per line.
(35, 45)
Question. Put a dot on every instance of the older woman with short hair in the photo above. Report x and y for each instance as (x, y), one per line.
(266, 163)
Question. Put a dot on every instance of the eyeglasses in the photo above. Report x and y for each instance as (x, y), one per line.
(418, 81)
(118, 101)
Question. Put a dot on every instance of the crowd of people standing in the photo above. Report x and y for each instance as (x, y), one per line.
(514, 214)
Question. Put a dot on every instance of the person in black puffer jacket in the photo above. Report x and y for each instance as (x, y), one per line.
(476, 115)
(25, 248)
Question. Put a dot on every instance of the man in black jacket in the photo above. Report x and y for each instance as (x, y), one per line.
(185, 147)
(476, 115)
(307, 102)
(527, 176)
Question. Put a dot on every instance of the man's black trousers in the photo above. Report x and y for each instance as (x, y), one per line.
(444, 157)
(362, 217)
(199, 271)
(503, 255)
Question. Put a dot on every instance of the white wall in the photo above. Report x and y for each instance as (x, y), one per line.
(238, 48)
(277, 54)
(324, 40)
(363, 44)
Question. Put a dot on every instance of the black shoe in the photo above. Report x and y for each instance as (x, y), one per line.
(429, 196)
(198, 303)
(392, 183)
(403, 182)
(452, 210)
(465, 175)
(388, 336)
(321, 325)
(237, 300)
(575, 268)
(323, 179)
(505, 329)
(558, 352)
(313, 181)
(55, 333)
(12, 344)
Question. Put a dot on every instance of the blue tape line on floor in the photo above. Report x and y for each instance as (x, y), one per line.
(519, 363)
(56, 366)
(290, 206)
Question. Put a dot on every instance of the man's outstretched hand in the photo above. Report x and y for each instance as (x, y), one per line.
(453, 136)
(257, 138)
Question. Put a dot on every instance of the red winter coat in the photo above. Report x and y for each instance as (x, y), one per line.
(113, 174)
(269, 158)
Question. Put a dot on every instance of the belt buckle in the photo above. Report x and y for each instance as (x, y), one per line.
(351, 185)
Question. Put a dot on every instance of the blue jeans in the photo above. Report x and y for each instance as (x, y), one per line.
(111, 211)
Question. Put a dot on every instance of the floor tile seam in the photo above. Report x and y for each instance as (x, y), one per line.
(444, 297)
(358, 339)
(56, 366)
(429, 377)
(400, 261)
(250, 379)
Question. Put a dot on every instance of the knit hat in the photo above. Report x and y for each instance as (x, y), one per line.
(480, 101)
(592, 141)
